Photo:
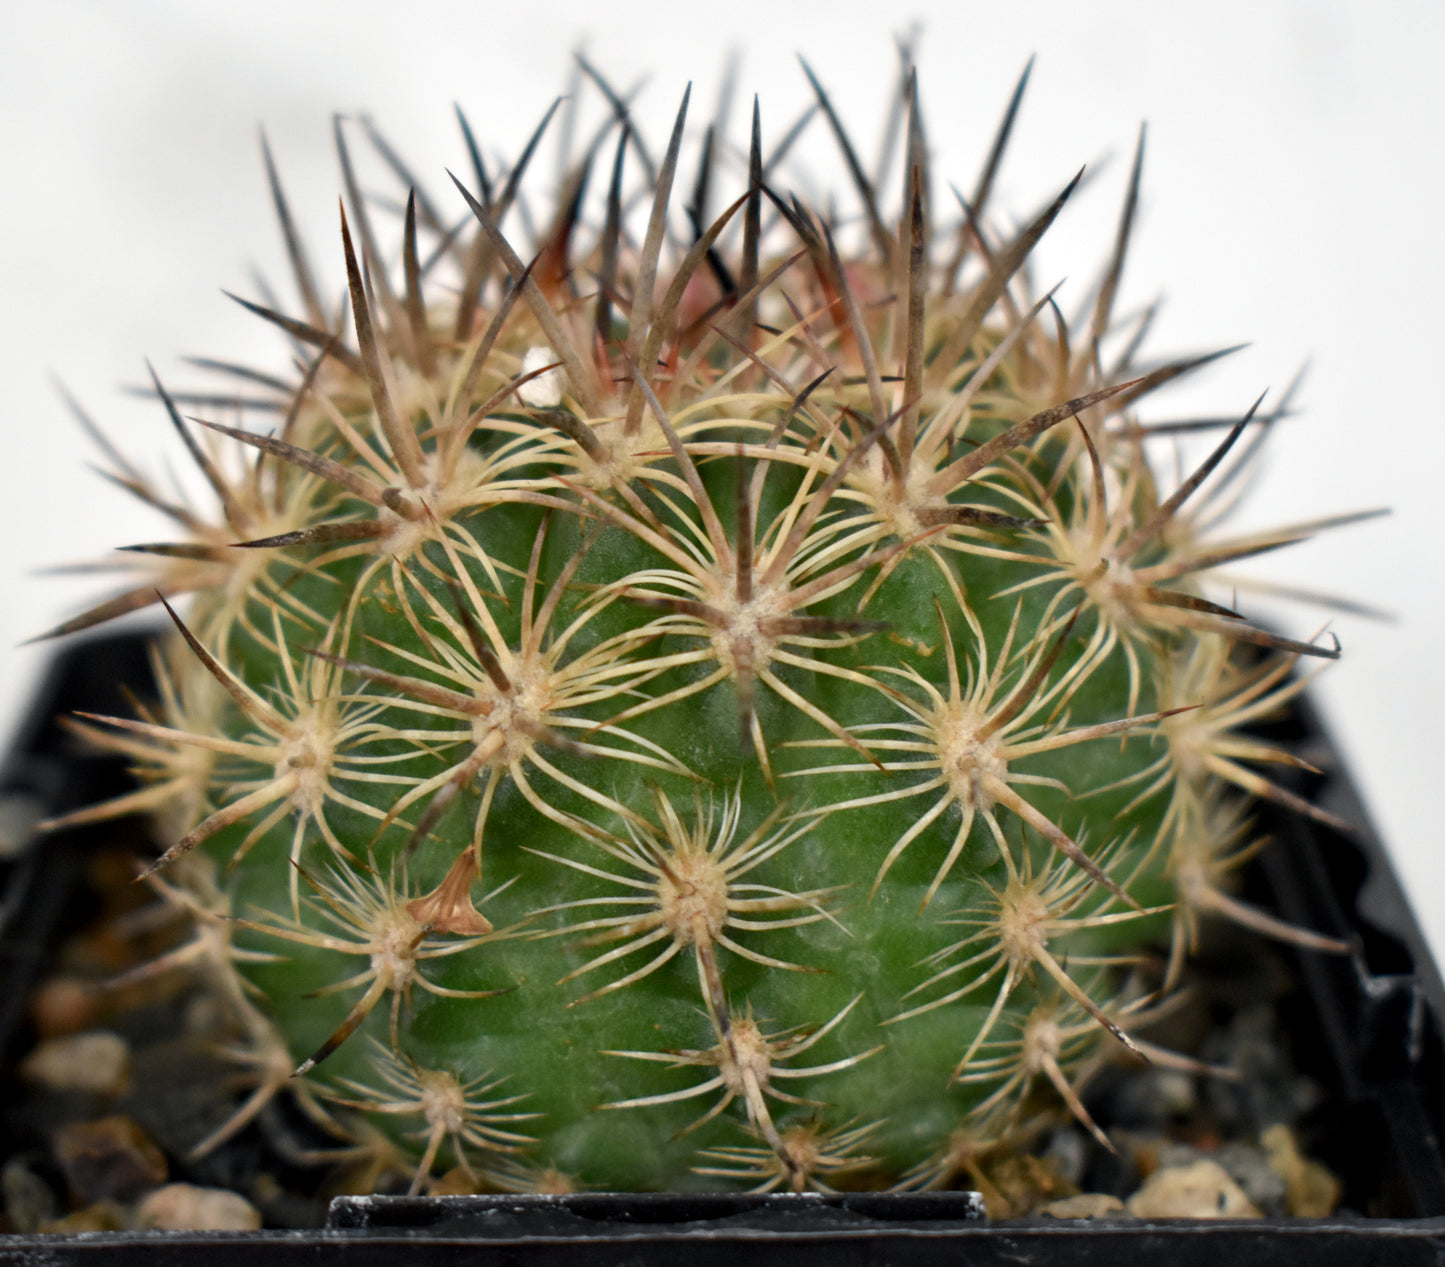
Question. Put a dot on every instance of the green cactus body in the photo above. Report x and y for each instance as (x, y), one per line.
(696, 713)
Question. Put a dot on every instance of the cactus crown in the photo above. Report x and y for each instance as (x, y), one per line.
(696, 707)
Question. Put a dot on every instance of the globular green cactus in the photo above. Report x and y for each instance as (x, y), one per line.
(719, 706)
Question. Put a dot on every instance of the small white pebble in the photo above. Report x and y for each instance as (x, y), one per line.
(96, 1061)
(1203, 1190)
(183, 1207)
(544, 391)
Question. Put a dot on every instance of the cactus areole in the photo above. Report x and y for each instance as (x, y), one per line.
(690, 691)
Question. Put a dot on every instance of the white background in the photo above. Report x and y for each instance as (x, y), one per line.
(1292, 199)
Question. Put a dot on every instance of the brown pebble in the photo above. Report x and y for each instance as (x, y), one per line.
(103, 1216)
(1025, 1183)
(96, 1062)
(1312, 1192)
(183, 1207)
(110, 1157)
(1202, 1190)
(63, 1005)
(455, 1183)
(1087, 1205)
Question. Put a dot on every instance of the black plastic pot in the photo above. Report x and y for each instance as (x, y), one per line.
(1367, 1027)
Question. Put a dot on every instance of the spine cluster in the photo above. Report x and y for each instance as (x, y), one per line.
(696, 702)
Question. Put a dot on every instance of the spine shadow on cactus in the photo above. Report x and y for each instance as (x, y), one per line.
(681, 711)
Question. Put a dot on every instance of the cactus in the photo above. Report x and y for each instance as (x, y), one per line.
(731, 708)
